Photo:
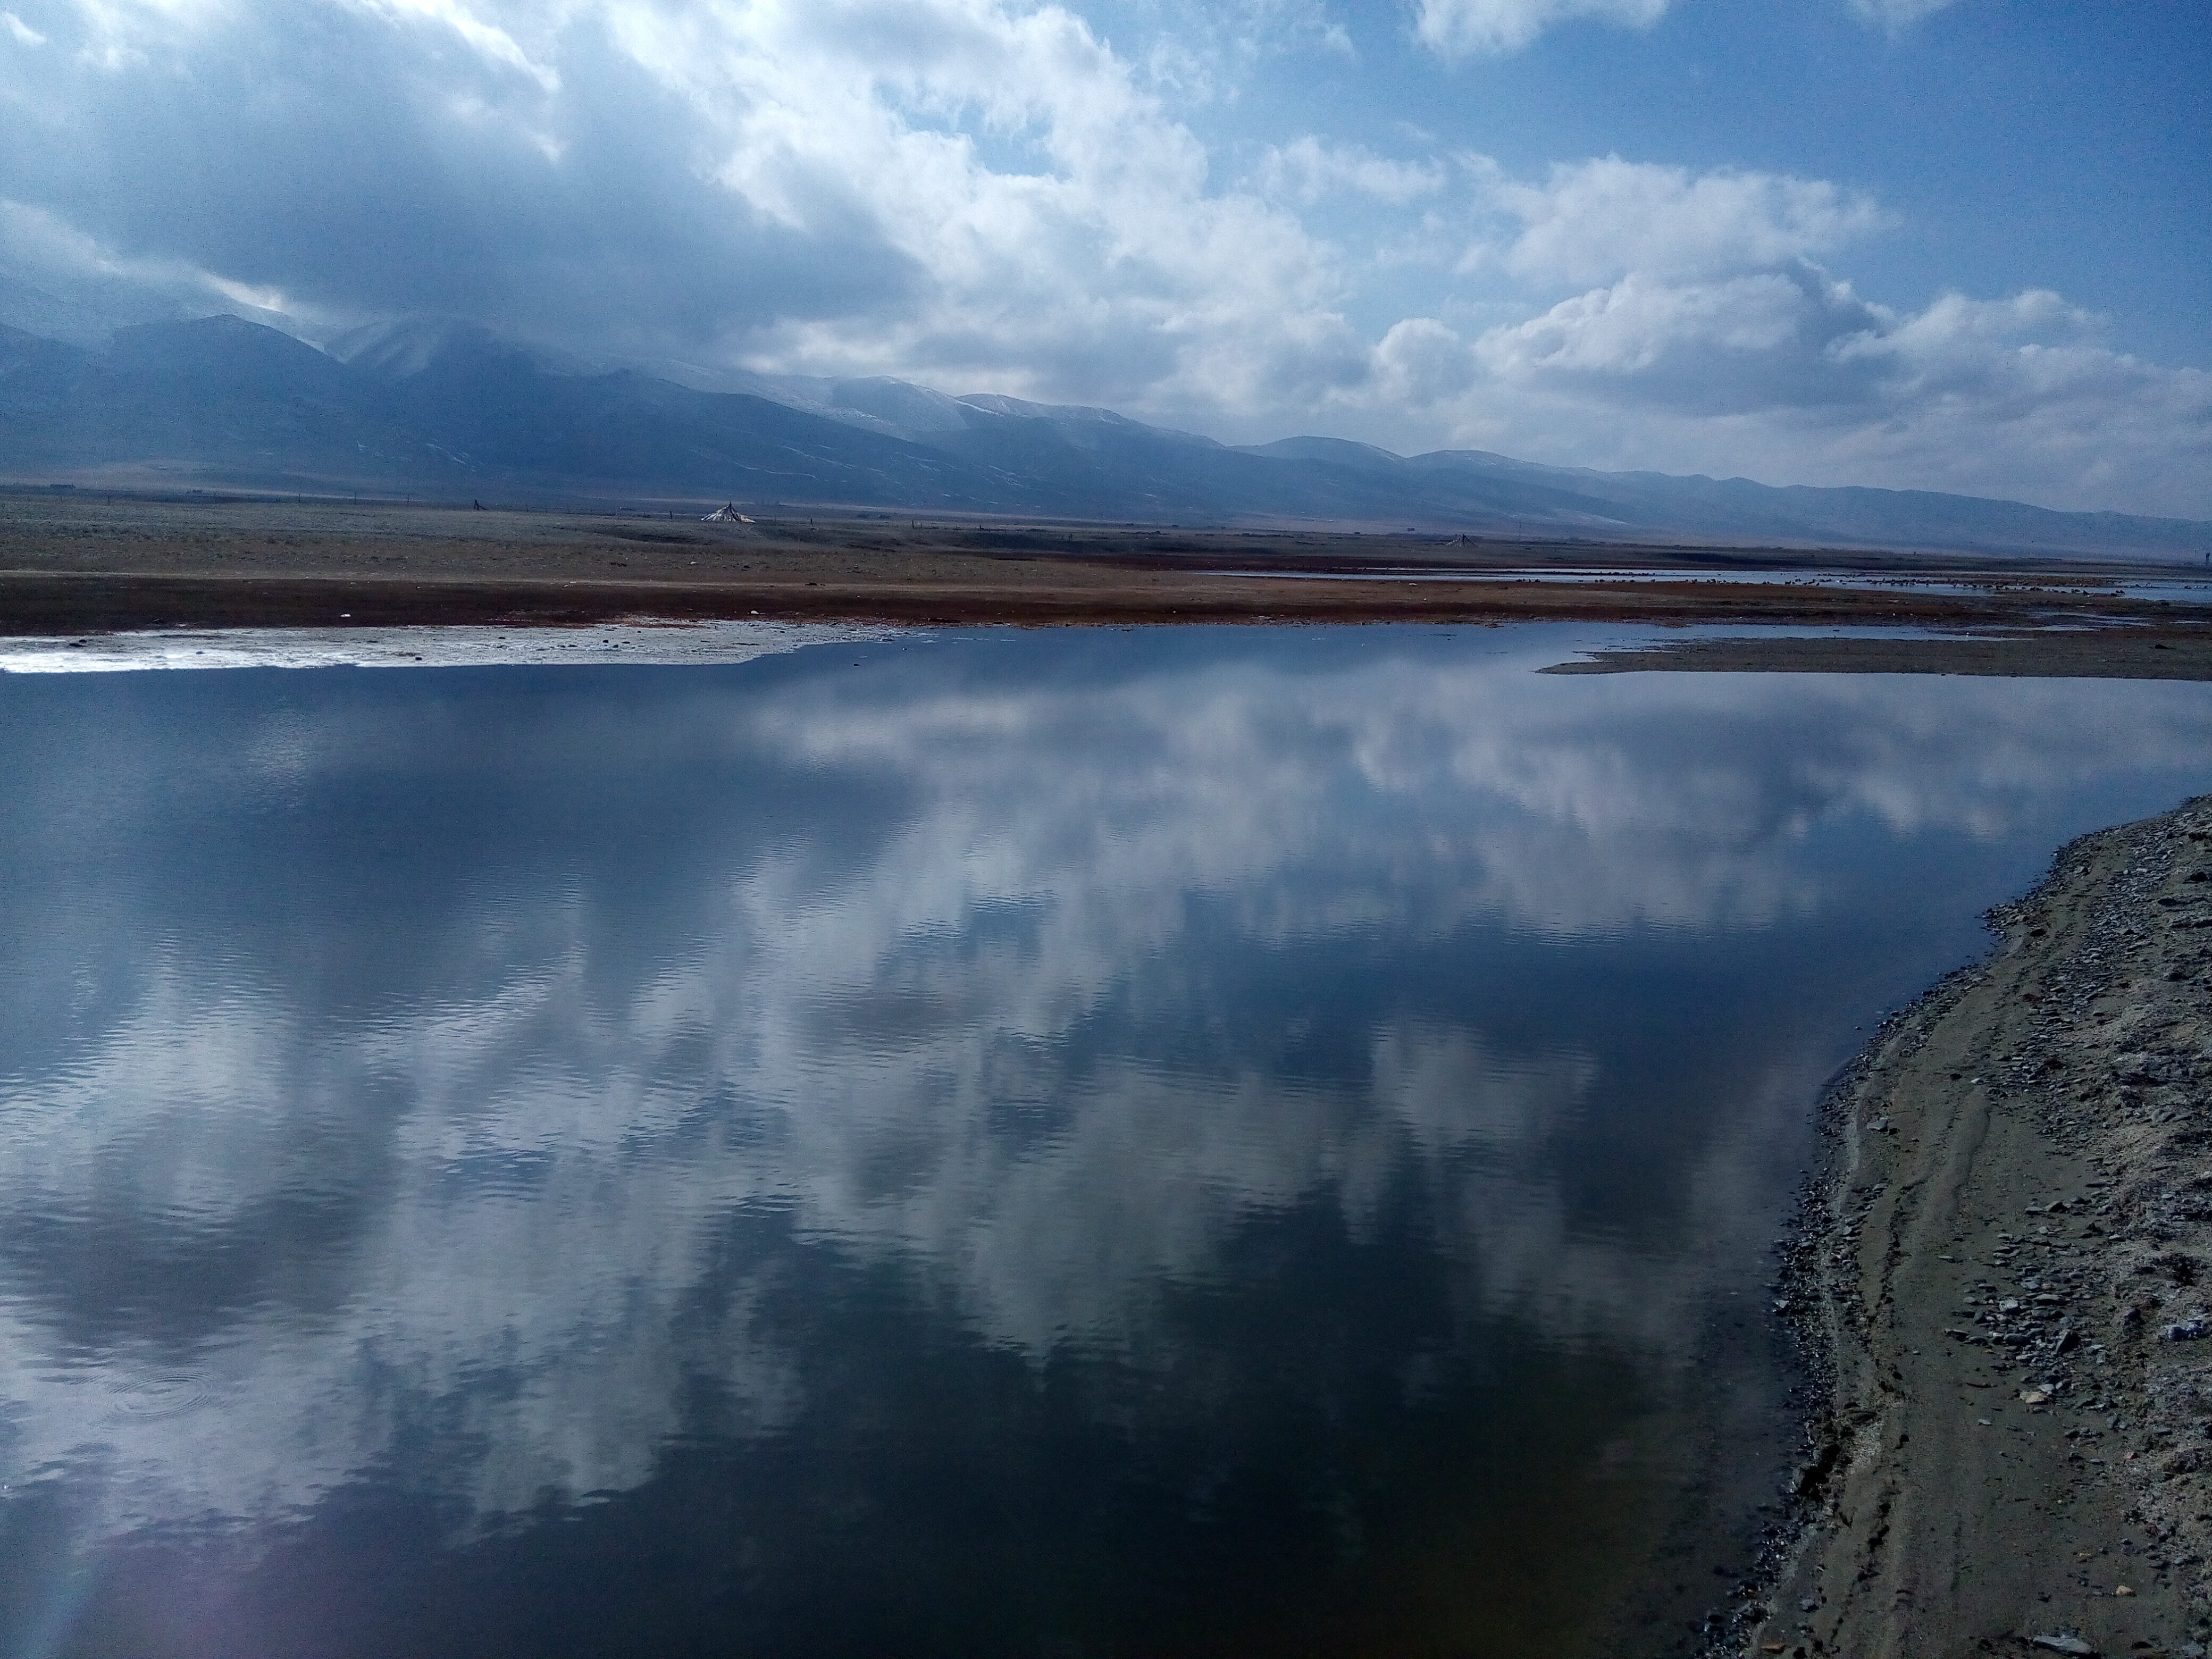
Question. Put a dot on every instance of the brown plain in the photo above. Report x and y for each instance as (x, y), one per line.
(77, 563)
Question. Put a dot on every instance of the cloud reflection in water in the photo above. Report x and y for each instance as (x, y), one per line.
(396, 1069)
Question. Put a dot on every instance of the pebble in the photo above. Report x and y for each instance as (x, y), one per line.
(2114, 1058)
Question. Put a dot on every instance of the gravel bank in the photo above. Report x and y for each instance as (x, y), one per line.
(2009, 1280)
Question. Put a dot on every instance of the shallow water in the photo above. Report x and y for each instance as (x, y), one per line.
(2173, 590)
(1066, 1142)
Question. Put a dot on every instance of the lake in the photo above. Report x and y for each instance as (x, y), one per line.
(1061, 1143)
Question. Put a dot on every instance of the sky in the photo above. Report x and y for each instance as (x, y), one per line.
(1937, 244)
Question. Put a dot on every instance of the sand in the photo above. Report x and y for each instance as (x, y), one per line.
(2008, 1285)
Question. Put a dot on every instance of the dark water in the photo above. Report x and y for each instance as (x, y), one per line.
(1061, 1144)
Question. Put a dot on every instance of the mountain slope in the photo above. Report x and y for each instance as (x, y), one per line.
(507, 416)
(452, 409)
(218, 393)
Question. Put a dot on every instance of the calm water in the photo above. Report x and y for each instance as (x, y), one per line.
(1181, 1141)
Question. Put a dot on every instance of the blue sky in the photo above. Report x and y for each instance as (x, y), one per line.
(2061, 146)
(1955, 246)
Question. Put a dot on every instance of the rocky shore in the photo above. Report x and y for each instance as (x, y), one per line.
(2007, 1284)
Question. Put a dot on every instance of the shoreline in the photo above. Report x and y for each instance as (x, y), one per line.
(2137, 652)
(71, 567)
(2004, 1284)
(2010, 637)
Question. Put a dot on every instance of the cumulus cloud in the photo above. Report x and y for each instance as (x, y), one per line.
(496, 1121)
(1595, 221)
(1676, 318)
(961, 188)
(1756, 341)
(986, 195)
(1421, 361)
(1789, 373)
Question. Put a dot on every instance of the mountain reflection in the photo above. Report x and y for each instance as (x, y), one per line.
(1114, 1049)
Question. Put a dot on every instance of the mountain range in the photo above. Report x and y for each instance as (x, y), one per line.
(449, 410)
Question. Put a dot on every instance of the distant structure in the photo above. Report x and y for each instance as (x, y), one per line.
(725, 514)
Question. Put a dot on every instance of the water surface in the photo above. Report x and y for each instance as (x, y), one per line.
(1073, 1143)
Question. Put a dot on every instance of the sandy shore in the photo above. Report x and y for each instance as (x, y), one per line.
(2009, 1281)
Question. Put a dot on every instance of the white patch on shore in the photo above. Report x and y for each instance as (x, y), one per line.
(655, 644)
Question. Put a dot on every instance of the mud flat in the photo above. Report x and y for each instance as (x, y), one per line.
(72, 564)
(2008, 1279)
(2141, 652)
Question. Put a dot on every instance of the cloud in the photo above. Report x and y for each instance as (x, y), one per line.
(1214, 54)
(1307, 168)
(1791, 374)
(1760, 341)
(493, 1115)
(1595, 221)
(53, 257)
(1421, 361)
(962, 189)
(986, 195)
(495, 45)
(1466, 28)
(1898, 15)
(1462, 28)
(1699, 324)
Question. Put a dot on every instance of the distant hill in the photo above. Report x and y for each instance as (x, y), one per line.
(449, 410)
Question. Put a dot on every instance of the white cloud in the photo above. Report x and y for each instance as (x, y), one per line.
(1745, 341)
(1702, 337)
(1420, 362)
(1595, 221)
(1896, 14)
(1309, 168)
(1213, 54)
(493, 43)
(987, 195)
(834, 1030)
(22, 32)
(1793, 377)
(1460, 28)
(974, 190)
(1466, 28)
(38, 248)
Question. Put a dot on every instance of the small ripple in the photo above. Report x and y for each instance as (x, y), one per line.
(153, 1396)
